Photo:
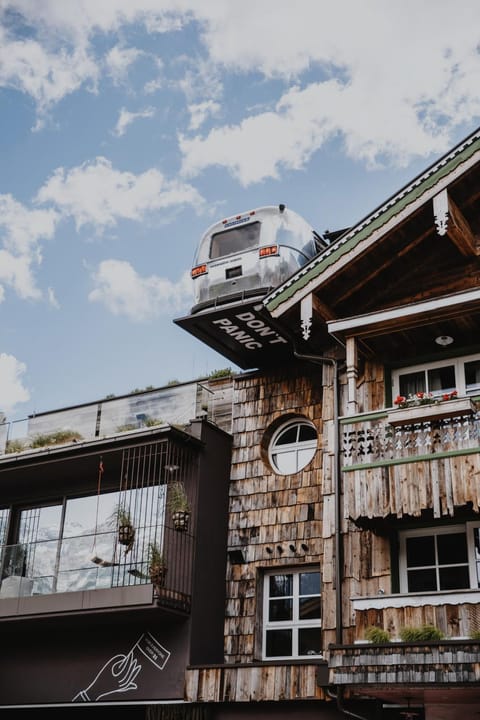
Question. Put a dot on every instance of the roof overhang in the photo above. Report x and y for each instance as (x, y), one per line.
(375, 226)
(405, 316)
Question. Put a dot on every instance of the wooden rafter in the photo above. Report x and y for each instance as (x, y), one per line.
(460, 232)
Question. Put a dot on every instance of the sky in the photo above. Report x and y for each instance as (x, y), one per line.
(127, 128)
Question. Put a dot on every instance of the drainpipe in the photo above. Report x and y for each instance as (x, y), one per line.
(321, 360)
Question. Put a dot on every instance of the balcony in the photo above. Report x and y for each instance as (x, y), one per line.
(438, 446)
(173, 405)
(93, 571)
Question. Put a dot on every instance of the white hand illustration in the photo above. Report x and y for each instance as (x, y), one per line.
(116, 676)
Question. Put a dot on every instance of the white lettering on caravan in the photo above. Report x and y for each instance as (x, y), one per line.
(258, 326)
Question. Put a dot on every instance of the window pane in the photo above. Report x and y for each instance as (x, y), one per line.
(279, 643)
(304, 456)
(280, 585)
(4, 515)
(476, 542)
(307, 432)
(285, 463)
(454, 578)
(452, 548)
(309, 608)
(472, 375)
(235, 240)
(280, 610)
(411, 383)
(309, 583)
(422, 580)
(441, 379)
(288, 436)
(420, 551)
(309, 641)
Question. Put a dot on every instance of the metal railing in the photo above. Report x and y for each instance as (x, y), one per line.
(92, 562)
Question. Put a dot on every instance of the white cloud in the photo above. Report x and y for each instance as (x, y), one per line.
(126, 118)
(153, 85)
(392, 91)
(199, 112)
(394, 80)
(44, 75)
(12, 391)
(21, 233)
(118, 61)
(123, 292)
(96, 193)
(52, 299)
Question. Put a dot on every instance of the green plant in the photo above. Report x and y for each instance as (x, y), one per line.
(122, 519)
(421, 633)
(423, 398)
(223, 372)
(128, 426)
(14, 446)
(151, 421)
(377, 635)
(157, 567)
(475, 635)
(55, 438)
(177, 498)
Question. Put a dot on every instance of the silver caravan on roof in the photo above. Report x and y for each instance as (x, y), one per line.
(248, 255)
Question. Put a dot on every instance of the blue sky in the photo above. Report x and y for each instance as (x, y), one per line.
(127, 128)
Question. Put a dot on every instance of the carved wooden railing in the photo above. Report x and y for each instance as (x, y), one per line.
(394, 435)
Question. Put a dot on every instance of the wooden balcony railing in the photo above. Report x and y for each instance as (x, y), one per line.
(408, 433)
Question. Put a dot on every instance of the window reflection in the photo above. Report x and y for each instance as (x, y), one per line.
(57, 544)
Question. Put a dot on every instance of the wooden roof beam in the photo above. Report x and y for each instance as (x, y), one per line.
(451, 222)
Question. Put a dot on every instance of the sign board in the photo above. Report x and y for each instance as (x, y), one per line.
(241, 332)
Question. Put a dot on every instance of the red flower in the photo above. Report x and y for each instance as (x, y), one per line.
(399, 399)
(420, 395)
(446, 396)
(454, 394)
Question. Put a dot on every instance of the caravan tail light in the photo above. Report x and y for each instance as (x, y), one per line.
(268, 250)
(199, 270)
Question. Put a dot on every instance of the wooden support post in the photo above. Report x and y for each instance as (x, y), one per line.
(352, 375)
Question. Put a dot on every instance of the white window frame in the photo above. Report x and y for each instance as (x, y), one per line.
(467, 528)
(458, 364)
(295, 624)
(294, 447)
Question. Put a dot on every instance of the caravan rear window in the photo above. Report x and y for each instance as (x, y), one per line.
(235, 240)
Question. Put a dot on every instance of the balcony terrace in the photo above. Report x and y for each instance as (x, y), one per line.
(437, 447)
(57, 575)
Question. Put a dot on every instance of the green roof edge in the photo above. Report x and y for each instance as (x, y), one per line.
(396, 204)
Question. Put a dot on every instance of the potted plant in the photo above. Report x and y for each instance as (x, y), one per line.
(179, 506)
(157, 568)
(125, 527)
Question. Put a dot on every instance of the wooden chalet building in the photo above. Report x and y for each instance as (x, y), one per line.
(332, 563)
(354, 522)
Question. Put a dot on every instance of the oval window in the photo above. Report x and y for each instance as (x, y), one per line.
(293, 446)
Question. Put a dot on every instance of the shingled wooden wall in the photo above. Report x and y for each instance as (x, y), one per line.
(271, 515)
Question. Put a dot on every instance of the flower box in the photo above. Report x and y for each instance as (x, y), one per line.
(433, 411)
